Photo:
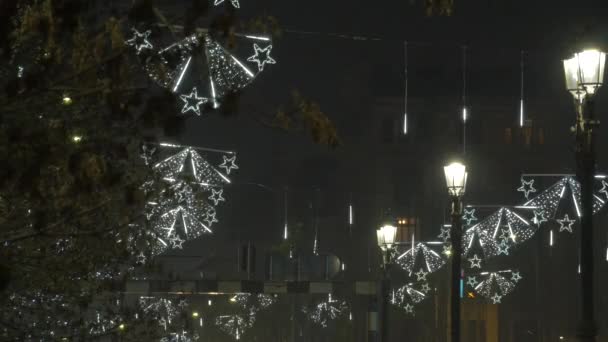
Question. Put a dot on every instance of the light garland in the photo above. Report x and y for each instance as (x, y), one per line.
(527, 187)
(408, 296)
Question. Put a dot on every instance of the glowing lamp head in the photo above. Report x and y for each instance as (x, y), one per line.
(585, 73)
(66, 100)
(195, 314)
(386, 236)
(456, 179)
(122, 326)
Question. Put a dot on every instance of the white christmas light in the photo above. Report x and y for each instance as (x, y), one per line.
(327, 311)
(261, 56)
(469, 216)
(475, 261)
(432, 260)
(231, 166)
(527, 187)
(234, 3)
(566, 224)
(193, 102)
(140, 40)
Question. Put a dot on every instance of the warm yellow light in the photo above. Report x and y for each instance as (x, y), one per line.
(448, 252)
(122, 326)
(67, 100)
(233, 299)
(386, 236)
(76, 138)
(195, 314)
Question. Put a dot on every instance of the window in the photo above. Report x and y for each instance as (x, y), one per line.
(508, 136)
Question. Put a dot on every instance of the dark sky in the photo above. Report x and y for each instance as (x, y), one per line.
(347, 77)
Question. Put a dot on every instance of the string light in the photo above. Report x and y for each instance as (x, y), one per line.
(261, 56)
(521, 101)
(405, 98)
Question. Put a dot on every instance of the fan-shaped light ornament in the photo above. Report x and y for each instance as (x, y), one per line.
(233, 325)
(431, 260)
(234, 3)
(183, 336)
(163, 310)
(490, 231)
(327, 311)
(494, 285)
(408, 296)
(200, 70)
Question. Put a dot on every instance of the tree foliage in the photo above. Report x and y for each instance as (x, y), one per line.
(74, 111)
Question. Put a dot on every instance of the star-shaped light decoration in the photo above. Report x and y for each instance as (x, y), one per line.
(604, 189)
(229, 164)
(475, 261)
(516, 277)
(565, 224)
(469, 216)
(193, 102)
(409, 308)
(147, 153)
(261, 56)
(445, 234)
(421, 275)
(527, 187)
(140, 40)
(216, 196)
(447, 250)
(503, 248)
(472, 281)
(539, 217)
(210, 217)
(177, 242)
(496, 299)
(425, 288)
(234, 3)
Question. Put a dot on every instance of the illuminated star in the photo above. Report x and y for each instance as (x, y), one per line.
(496, 298)
(472, 281)
(505, 234)
(141, 258)
(193, 102)
(539, 217)
(566, 224)
(469, 216)
(421, 275)
(140, 40)
(210, 217)
(475, 261)
(146, 153)
(234, 3)
(177, 242)
(232, 166)
(216, 196)
(447, 250)
(516, 277)
(503, 248)
(604, 189)
(409, 308)
(425, 288)
(445, 234)
(266, 59)
(527, 187)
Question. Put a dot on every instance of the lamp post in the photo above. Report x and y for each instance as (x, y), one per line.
(386, 240)
(456, 179)
(584, 76)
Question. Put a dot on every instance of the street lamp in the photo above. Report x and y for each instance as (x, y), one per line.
(386, 240)
(456, 181)
(584, 76)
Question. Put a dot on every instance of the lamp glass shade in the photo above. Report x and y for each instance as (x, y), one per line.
(456, 178)
(386, 236)
(585, 72)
